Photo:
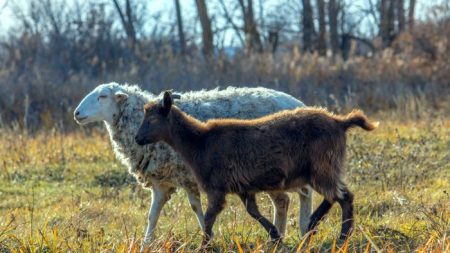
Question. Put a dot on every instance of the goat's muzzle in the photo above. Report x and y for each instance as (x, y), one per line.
(140, 141)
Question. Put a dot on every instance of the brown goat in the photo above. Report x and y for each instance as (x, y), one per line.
(278, 152)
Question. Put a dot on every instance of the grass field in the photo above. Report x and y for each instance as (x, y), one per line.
(63, 193)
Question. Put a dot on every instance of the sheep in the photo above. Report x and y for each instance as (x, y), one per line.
(158, 166)
(278, 152)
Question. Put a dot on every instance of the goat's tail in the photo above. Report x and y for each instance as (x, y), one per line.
(357, 118)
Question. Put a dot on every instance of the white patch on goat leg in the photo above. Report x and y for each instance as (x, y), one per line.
(160, 195)
(196, 205)
(305, 194)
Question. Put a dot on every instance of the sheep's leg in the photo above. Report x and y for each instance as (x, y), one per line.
(250, 204)
(160, 195)
(305, 194)
(196, 205)
(280, 201)
(319, 213)
(346, 203)
(216, 202)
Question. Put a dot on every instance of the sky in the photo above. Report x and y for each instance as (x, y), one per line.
(166, 9)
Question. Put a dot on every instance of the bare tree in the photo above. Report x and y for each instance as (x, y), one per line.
(273, 40)
(207, 34)
(252, 36)
(229, 19)
(400, 16)
(127, 21)
(391, 22)
(387, 21)
(333, 11)
(180, 27)
(3, 6)
(308, 26)
(383, 19)
(321, 43)
(412, 6)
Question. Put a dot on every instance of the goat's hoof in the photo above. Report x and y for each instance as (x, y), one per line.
(206, 245)
(206, 241)
(310, 232)
(278, 240)
(343, 238)
(275, 237)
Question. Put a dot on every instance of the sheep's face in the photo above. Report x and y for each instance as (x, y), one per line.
(155, 126)
(99, 105)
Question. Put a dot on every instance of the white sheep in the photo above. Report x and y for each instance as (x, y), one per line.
(157, 166)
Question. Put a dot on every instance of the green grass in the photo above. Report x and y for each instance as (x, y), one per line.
(63, 193)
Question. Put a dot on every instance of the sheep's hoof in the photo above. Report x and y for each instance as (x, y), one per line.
(142, 249)
(145, 246)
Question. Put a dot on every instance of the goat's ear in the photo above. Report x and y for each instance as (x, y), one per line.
(120, 96)
(176, 96)
(167, 102)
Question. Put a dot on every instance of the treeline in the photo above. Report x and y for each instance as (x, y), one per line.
(376, 56)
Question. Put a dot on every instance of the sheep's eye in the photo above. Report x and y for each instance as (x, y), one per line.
(102, 96)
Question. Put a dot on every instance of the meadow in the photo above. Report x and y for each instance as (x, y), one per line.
(64, 192)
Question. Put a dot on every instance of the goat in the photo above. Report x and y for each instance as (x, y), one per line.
(284, 150)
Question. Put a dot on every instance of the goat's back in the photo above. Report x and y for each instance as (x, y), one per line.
(284, 150)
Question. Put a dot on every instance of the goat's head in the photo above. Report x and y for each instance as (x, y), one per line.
(155, 125)
(101, 104)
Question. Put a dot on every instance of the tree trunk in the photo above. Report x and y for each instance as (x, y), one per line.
(127, 22)
(273, 40)
(383, 20)
(321, 43)
(180, 27)
(387, 18)
(252, 36)
(207, 35)
(412, 6)
(308, 26)
(333, 23)
(400, 16)
(391, 22)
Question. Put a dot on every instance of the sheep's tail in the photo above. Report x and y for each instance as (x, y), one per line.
(357, 118)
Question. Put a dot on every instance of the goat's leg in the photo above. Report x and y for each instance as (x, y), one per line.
(216, 202)
(252, 209)
(305, 195)
(196, 205)
(319, 213)
(160, 195)
(346, 203)
(280, 201)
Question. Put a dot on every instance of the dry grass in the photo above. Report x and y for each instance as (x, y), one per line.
(64, 193)
(389, 80)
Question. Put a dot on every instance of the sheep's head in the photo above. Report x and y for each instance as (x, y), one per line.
(101, 104)
(155, 126)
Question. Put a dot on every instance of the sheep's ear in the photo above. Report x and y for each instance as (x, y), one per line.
(120, 96)
(167, 102)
